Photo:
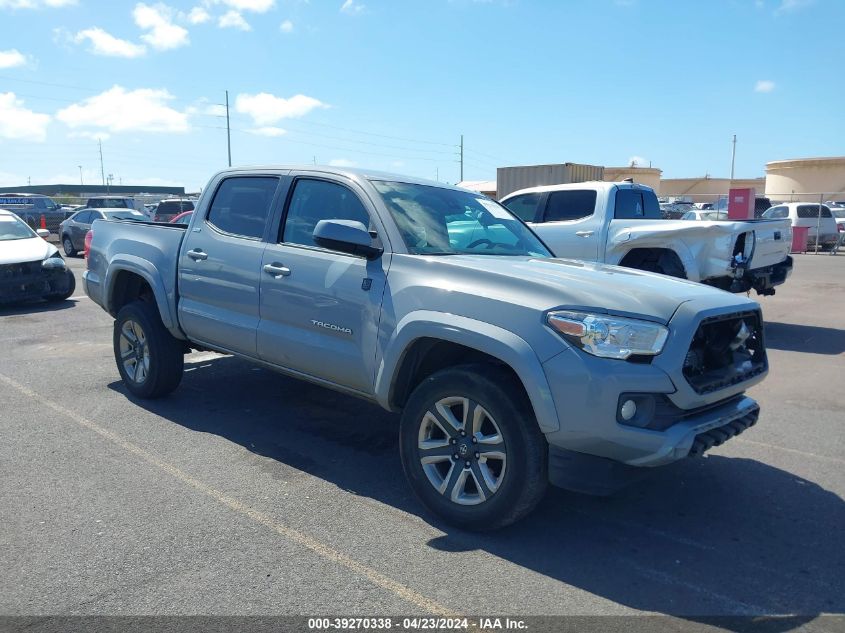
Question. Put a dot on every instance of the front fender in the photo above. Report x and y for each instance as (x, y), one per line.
(484, 337)
(165, 300)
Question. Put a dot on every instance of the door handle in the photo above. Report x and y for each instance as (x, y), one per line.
(277, 270)
(197, 255)
(584, 233)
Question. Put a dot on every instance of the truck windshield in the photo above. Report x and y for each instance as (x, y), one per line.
(438, 221)
(11, 228)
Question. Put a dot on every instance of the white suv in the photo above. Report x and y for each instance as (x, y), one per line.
(814, 216)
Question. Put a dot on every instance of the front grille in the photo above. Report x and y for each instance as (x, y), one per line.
(21, 281)
(19, 271)
(726, 350)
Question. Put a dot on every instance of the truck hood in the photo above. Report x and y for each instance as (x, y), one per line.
(27, 250)
(556, 282)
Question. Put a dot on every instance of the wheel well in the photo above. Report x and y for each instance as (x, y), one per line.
(426, 356)
(655, 260)
(129, 287)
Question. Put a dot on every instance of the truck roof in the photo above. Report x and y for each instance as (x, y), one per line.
(599, 185)
(349, 172)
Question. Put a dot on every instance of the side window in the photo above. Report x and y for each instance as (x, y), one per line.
(186, 205)
(95, 203)
(570, 205)
(241, 205)
(525, 206)
(629, 205)
(315, 200)
(82, 217)
(40, 203)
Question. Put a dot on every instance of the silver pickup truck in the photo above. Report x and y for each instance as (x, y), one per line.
(511, 369)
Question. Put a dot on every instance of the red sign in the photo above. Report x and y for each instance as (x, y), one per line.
(741, 204)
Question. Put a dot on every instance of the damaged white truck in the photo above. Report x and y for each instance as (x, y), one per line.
(621, 223)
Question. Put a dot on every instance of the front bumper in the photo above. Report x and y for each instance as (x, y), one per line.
(28, 281)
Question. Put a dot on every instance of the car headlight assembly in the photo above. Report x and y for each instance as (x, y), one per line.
(609, 336)
(54, 262)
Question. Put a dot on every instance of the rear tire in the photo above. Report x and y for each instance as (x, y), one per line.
(150, 359)
(67, 244)
(496, 479)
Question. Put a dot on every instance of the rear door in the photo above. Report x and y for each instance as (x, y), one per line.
(320, 308)
(220, 264)
(570, 225)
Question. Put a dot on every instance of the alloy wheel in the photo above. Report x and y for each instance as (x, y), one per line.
(134, 351)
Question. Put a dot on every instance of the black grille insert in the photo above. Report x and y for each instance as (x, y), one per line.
(726, 350)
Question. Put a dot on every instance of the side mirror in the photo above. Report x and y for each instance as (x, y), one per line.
(346, 236)
(43, 233)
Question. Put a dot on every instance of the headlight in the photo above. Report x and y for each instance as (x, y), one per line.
(608, 336)
(54, 262)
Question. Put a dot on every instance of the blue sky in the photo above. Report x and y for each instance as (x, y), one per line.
(392, 84)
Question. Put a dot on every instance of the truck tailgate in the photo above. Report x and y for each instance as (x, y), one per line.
(773, 241)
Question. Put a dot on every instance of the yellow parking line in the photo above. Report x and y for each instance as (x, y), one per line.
(319, 548)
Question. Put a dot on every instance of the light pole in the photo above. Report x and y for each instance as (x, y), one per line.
(80, 176)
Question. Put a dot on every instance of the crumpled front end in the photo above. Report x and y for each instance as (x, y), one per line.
(27, 281)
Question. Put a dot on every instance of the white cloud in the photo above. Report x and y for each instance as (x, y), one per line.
(198, 15)
(286, 26)
(637, 161)
(18, 122)
(233, 20)
(12, 58)
(256, 6)
(787, 6)
(118, 110)
(268, 130)
(342, 162)
(351, 7)
(94, 136)
(35, 4)
(103, 43)
(162, 34)
(215, 109)
(764, 85)
(266, 109)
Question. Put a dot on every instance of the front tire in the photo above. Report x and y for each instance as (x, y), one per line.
(471, 448)
(150, 359)
(67, 245)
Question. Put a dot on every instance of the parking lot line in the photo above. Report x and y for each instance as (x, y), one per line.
(829, 458)
(316, 546)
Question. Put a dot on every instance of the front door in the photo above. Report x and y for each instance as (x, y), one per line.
(220, 264)
(320, 308)
(570, 225)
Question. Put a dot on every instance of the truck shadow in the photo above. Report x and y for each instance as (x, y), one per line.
(792, 337)
(713, 536)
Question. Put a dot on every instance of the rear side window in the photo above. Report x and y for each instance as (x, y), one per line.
(570, 205)
(525, 206)
(812, 211)
(186, 205)
(241, 206)
(776, 213)
(83, 217)
(315, 200)
(636, 204)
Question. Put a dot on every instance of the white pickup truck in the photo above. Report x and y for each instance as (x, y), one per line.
(621, 223)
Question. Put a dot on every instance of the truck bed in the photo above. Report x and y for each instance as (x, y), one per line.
(154, 248)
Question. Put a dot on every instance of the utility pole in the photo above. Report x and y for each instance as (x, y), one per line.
(733, 157)
(81, 184)
(102, 171)
(462, 158)
(228, 130)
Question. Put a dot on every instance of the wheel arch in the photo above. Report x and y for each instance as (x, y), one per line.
(131, 278)
(425, 342)
(670, 249)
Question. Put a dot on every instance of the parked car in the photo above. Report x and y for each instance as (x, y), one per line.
(620, 223)
(703, 214)
(816, 217)
(114, 202)
(182, 218)
(30, 267)
(73, 230)
(510, 368)
(168, 209)
(34, 209)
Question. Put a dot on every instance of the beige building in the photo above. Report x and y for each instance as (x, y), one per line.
(706, 189)
(649, 176)
(808, 179)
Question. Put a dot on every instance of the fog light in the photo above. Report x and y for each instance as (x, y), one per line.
(628, 410)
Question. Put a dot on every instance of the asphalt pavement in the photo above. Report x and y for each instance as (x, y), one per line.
(247, 492)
